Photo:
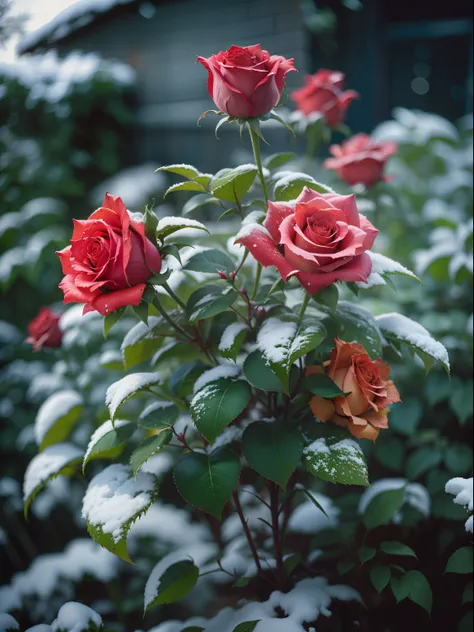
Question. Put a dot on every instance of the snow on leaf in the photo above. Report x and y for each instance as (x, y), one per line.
(383, 266)
(169, 225)
(106, 438)
(231, 340)
(212, 375)
(119, 392)
(75, 617)
(56, 417)
(336, 461)
(462, 489)
(45, 466)
(400, 329)
(8, 623)
(113, 501)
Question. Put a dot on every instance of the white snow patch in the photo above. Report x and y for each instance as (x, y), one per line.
(416, 495)
(181, 222)
(48, 462)
(73, 317)
(75, 617)
(7, 622)
(53, 409)
(167, 524)
(229, 336)
(218, 372)
(275, 339)
(101, 431)
(253, 217)
(135, 185)
(113, 498)
(158, 464)
(407, 330)
(120, 391)
(307, 518)
(250, 227)
(462, 489)
(140, 331)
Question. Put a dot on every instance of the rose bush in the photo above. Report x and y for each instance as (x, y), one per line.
(320, 239)
(368, 391)
(361, 159)
(324, 94)
(246, 81)
(44, 330)
(109, 259)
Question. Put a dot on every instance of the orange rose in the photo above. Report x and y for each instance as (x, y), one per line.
(364, 409)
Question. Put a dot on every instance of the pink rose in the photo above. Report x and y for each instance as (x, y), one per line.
(246, 82)
(109, 259)
(361, 160)
(319, 239)
(323, 93)
(44, 330)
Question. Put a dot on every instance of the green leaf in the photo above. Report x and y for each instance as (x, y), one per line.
(56, 417)
(207, 480)
(283, 340)
(147, 448)
(232, 339)
(358, 325)
(141, 342)
(182, 380)
(458, 458)
(278, 160)
(419, 590)
(107, 440)
(259, 374)
(291, 562)
(461, 401)
(383, 507)
(159, 415)
(232, 184)
(174, 584)
(380, 576)
(390, 451)
(112, 488)
(311, 498)
(397, 548)
(289, 186)
(187, 171)
(366, 553)
(322, 385)
(467, 594)
(400, 588)
(404, 331)
(208, 301)
(169, 225)
(171, 250)
(151, 222)
(405, 417)
(53, 461)
(141, 311)
(460, 561)
(337, 461)
(120, 392)
(190, 185)
(210, 261)
(273, 450)
(111, 319)
(466, 623)
(217, 404)
(246, 626)
(327, 296)
(422, 460)
(197, 201)
(345, 566)
(385, 267)
(158, 278)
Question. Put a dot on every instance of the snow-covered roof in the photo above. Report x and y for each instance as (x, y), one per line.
(74, 17)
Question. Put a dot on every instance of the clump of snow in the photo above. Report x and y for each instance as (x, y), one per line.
(382, 265)
(75, 617)
(158, 464)
(140, 331)
(44, 385)
(307, 518)
(47, 463)
(7, 622)
(212, 375)
(120, 391)
(173, 523)
(249, 228)
(75, 16)
(406, 330)
(229, 336)
(181, 222)
(135, 185)
(73, 317)
(462, 489)
(113, 499)
(41, 627)
(53, 409)
(275, 338)
(101, 431)
(415, 495)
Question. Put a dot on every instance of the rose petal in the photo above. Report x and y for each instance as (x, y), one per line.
(65, 259)
(323, 409)
(111, 301)
(73, 294)
(259, 242)
(277, 211)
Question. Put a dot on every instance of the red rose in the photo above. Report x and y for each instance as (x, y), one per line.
(323, 93)
(44, 330)
(320, 239)
(109, 259)
(246, 82)
(364, 410)
(361, 160)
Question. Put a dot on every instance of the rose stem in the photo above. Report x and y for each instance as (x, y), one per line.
(276, 534)
(175, 326)
(303, 307)
(173, 295)
(246, 529)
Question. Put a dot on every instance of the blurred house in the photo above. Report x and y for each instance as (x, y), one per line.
(404, 53)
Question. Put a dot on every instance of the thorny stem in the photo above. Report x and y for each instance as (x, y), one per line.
(175, 326)
(276, 534)
(246, 529)
(258, 161)
(239, 267)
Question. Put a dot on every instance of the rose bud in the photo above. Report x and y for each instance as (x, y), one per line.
(363, 411)
(246, 82)
(44, 330)
(361, 160)
(109, 259)
(323, 93)
(222, 274)
(319, 239)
